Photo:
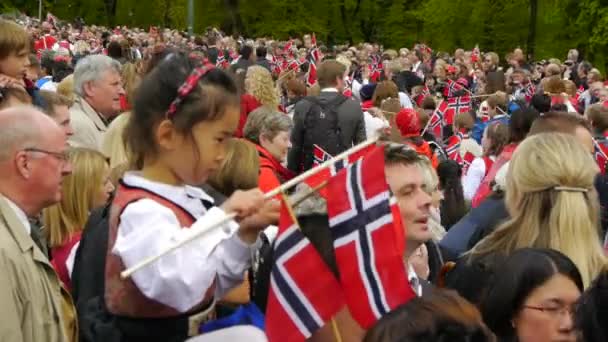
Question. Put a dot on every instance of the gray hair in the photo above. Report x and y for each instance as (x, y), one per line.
(19, 131)
(266, 121)
(313, 204)
(91, 68)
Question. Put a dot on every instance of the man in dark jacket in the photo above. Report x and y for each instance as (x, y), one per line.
(246, 59)
(212, 50)
(350, 127)
(260, 53)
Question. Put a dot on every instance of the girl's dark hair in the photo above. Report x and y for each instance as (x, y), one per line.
(520, 274)
(591, 317)
(115, 50)
(441, 316)
(498, 133)
(213, 93)
(520, 123)
(453, 206)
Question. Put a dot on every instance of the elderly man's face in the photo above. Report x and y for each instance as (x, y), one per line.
(48, 164)
(104, 94)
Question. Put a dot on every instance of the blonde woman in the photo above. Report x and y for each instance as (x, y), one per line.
(87, 188)
(259, 91)
(552, 203)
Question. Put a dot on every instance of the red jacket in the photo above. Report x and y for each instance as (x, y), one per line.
(60, 256)
(272, 173)
(248, 104)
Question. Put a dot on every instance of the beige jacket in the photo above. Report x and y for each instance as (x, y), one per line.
(87, 124)
(31, 303)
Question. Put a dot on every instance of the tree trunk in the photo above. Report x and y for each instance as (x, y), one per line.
(532, 29)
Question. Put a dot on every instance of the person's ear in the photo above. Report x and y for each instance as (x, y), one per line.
(88, 88)
(166, 136)
(22, 164)
(264, 141)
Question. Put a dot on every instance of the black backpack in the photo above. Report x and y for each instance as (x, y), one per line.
(322, 128)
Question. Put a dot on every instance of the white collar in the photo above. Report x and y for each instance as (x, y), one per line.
(20, 215)
(182, 195)
(412, 277)
(330, 90)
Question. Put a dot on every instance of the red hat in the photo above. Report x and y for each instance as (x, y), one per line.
(408, 122)
(450, 69)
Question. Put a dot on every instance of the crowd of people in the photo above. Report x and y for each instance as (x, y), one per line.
(115, 144)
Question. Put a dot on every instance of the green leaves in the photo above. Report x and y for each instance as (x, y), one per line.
(444, 24)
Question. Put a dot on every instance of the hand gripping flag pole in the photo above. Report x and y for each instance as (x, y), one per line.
(217, 223)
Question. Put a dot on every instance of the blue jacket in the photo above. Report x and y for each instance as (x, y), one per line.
(480, 126)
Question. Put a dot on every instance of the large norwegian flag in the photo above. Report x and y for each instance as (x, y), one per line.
(372, 272)
(451, 88)
(298, 303)
(456, 105)
(529, 91)
(321, 156)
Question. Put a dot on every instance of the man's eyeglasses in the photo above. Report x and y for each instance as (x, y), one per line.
(61, 156)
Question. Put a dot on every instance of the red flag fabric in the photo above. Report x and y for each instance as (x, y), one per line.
(456, 105)
(325, 174)
(453, 147)
(314, 58)
(467, 160)
(601, 154)
(299, 304)
(221, 61)
(372, 272)
(436, 122)
(451, 88)
(320, 155)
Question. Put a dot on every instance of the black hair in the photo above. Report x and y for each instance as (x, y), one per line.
(591, 317)
(520, 274)
(115, 50)
(260, 51)
(61, 70)
(246, 51)
(541, 102)
(453, 206)
(214, 92)
(520, 123)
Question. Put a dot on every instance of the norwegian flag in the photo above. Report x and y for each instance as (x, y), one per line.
(425, 91)
(436, 122)
(529, 91)
(375, 68)
(372, 273)
(298, 304)
(456, 105)
(288, 48)
(601, 154)
(275, 65)
(221, 61)
(453, 147)
(313, 59)
(467, 160)
(320, 156)
(451, 88)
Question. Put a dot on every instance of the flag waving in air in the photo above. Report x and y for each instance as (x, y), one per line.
(321, 156)
(313, 59)
(372, 272)
(304, 293)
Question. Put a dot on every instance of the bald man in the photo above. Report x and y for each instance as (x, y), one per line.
(32, 164)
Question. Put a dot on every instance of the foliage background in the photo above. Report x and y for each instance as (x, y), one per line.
(545, 28)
